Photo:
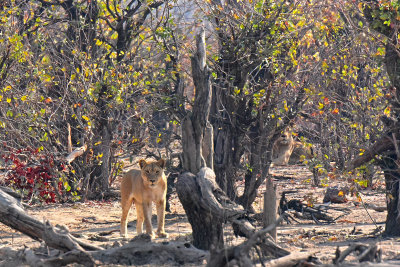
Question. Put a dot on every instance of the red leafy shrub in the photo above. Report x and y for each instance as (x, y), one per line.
(33, 174)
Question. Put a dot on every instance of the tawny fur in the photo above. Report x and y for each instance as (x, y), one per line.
(283, 148)
(143, 187)
(300, 153)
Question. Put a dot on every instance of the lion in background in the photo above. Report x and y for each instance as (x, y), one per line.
(143, 187)
(286, 150)
(282, 148)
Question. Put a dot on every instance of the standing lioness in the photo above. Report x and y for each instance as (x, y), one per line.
(144, 187)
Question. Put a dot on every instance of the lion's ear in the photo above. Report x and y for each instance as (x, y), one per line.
(161, 163)
(142, 163)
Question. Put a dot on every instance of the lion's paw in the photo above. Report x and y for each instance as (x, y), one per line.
(162, 234)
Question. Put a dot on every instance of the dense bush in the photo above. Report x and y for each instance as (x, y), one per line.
(36, 176)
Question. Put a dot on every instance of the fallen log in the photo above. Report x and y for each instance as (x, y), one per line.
(13, 215)
(139, 251)
(11, 193)
(75, 256)
(292, 259)
(365, 253)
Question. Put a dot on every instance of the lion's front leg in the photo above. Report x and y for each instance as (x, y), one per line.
(147, 218)
(139, 218)
(161, 218)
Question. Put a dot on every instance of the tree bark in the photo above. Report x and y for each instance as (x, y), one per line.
(204, 201)
(207, 229)
(197, 142)
(269, 215)
(392, 179)
(387, 145)
(195, 124)
(101, 174)
(239, 254)
(223, 162)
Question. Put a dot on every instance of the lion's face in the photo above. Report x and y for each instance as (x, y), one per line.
(152, 172)
(282, 148)
(285, 138)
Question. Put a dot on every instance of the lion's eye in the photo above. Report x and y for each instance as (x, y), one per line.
(157, 172)
(147, 171)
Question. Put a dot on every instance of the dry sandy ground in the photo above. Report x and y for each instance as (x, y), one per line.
(99, 221)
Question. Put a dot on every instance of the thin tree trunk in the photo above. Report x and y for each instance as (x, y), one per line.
(269, 215)
(106, 159)
(385, 147)
(223, 162)
(101, 174)
(392, 180)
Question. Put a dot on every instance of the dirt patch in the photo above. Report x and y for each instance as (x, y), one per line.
(98, 222)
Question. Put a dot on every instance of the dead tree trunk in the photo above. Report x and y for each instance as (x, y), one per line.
(195, 124)
(208, 203)
(197, 142)
(206, 228)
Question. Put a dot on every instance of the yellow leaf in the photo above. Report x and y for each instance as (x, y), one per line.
(386, 111)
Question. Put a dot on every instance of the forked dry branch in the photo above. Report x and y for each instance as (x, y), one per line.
(203, 192)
